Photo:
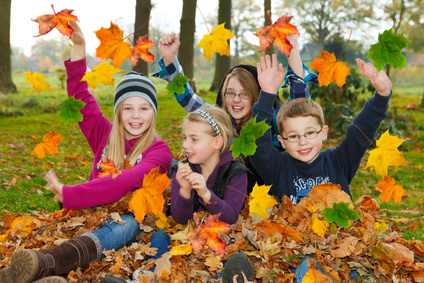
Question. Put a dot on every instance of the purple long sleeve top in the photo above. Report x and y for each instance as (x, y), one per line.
(96, 128)
(228, 207)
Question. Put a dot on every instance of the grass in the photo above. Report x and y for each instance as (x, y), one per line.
(25, 117)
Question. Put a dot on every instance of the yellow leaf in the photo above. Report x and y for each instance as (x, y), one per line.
(260, 203)
(381, 227)
(319, 226)
(216, 42)
(314, 276)
(102, 74)
(37, 80)
(149, 198)
(184, 249)
(118, 264)
(386, 154)
(162, 221)
(214, 262)
(22, 225)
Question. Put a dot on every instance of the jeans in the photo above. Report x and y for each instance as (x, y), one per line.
(113, 235)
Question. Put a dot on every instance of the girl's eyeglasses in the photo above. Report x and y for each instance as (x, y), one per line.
(233, 95)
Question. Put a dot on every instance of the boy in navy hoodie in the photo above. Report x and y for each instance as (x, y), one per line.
(303, 130)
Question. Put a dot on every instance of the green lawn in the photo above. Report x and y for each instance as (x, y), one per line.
(25, 117)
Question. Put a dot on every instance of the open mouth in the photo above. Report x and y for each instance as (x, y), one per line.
(236, 108)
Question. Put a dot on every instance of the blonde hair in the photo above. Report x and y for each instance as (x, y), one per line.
(247, 81)
(222, 120)
(115, 150)
(299, 107)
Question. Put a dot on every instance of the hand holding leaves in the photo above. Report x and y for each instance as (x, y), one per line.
(168, 47)
(270, 73)
(379, 79)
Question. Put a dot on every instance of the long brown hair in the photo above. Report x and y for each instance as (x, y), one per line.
(247, 81)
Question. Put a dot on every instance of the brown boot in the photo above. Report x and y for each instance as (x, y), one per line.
(29, 265)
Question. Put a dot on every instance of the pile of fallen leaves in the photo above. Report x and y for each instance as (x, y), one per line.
(369, 249)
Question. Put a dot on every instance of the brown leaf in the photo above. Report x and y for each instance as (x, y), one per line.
(346, 247)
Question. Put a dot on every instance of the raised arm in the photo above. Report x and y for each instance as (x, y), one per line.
(361, 132)
(170, 68)
(269, 76)
(94, 125)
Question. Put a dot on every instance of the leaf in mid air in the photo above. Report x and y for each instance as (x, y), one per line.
(216, 41)
(277, 33)
(388, 50)
(245, 143)
(58, 20)
(69, 110)
(330, 70)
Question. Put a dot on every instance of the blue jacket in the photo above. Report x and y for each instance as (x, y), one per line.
(338, 165)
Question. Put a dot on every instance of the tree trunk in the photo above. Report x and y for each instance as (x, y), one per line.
(222, 63)
(141, 27)
(187, 30)
(6, 83)
(268, 21)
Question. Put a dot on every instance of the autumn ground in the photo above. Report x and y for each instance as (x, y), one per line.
(25, 117)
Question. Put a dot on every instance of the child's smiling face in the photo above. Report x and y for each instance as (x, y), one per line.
(136, 116)
(237, 101)
(303, 137)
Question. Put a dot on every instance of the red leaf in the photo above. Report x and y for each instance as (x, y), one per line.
(141, 50)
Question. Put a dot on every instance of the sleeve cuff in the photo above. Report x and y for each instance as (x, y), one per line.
(266, 100)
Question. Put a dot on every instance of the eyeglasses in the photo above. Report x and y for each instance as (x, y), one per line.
(309, 135)
(233, 95)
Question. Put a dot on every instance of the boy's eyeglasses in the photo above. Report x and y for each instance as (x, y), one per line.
(233, 95)
(309, 135)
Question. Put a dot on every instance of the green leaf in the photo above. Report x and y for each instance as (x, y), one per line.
(245, 144)
(69, 110)
(340, 214)
(388, 50)
(177, 84)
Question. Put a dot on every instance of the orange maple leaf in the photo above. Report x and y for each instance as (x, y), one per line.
(107, 168)
(48, 145)
(277, 32)
(209, 233)
(58, 20)
(149, 198)
(113, 45)
(141, 50)
(390, 190)
(267, 227)
(329, 69)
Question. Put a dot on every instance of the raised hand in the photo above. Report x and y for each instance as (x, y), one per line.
(77, 38)
(168, 47)
(294, 58)
(270, 73)
(54, 185)
(379, 79)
